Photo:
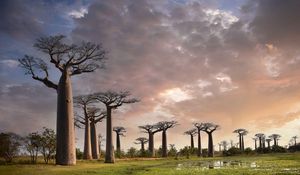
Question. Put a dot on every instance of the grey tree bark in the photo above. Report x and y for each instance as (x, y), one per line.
(65, 144)
(69, 60)
(109, 155)
(164, 144)
(87, 152)
(94, 141)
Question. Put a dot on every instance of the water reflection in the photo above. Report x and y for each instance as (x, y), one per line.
(216, 164)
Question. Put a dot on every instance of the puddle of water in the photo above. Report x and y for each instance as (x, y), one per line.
(216, 164)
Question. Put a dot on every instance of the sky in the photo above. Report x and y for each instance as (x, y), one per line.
(234, 63)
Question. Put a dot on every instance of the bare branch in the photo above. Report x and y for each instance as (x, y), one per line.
(31, 65)
(119, 130)
(115, 99)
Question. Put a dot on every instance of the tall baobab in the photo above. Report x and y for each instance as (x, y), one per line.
(96, 115)
(294, 138)
(275, 138)
(199, 127)
(261, 138)
(84, 102)
(241, 133)
(209, 128)
(112, 100)
(119, 132)
(70, 60)
(255, 142)
(268, 140)
(150, 130)
(164, 126)
(142, 141)
(191, 133)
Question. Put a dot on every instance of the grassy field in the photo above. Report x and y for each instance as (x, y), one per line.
(262, 164)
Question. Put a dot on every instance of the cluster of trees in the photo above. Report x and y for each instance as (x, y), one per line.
(35, 143)
(71, 60)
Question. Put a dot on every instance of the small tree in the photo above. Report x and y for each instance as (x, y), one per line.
(132, 152)
(33, 145)
(275, 138)
(261, 138)
(191, 133)
(9, 145)
(70, 60)
(48, 144)
(241, 133)
(294, 138)
(173, 150)
(112, 100)
(142, 141)
(120, 131)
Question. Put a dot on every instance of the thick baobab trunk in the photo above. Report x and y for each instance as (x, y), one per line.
(94, 141)
(142, 146)
(268, 144)
(260, 143)
(151, 144)
(192, 142)
(199, 145)
(243, 148)
(255, 142)
(118, 145)
(109, 155)
(164, 144)
(210, 145)
(275, 142)
(87, 152)
(65, 144)
(240, 141)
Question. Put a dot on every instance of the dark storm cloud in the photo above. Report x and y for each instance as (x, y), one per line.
(18, 19)
(276, 21)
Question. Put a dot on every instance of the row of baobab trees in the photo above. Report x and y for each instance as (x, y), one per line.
(72, 60)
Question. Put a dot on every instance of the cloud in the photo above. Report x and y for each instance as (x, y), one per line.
(189, 61)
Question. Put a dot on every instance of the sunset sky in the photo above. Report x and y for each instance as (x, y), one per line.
(235, 63)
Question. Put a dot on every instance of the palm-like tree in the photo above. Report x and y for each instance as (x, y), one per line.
(191, 133)
(241, 132)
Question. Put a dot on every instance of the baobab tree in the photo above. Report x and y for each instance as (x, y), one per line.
(112, 100)
(150, 130)
(255, 142)
(142, 141)
(84, 102)
(209, 128)
(164, 126)
(199, 127)
(275, 138)
(120, 131)
(70, 60)
(191, 133)
(241, 133)
(96, 115)
(261, 138)
(268, 140)
(294, 138)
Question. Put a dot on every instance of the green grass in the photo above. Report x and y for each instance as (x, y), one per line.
(265, 165)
